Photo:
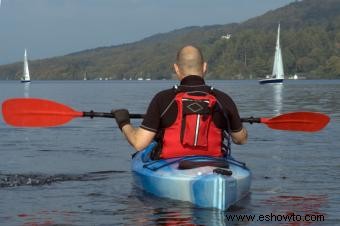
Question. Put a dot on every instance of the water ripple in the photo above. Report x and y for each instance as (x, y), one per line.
(15, 180)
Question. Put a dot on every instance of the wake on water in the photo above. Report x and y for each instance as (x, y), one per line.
(15, 180)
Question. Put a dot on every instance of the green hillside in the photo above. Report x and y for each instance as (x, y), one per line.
(310, 42)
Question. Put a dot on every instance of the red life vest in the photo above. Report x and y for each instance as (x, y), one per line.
(193, 132)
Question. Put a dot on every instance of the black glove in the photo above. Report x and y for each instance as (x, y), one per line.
(122, 117)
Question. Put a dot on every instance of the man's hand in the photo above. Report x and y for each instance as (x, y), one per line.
(122, 117)
(139, 138)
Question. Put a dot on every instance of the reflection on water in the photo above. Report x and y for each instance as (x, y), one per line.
(163, 211)
(304, 208)
(188, 216)
(309, 204)
(27, 89)
(184, 216)
(277, 95)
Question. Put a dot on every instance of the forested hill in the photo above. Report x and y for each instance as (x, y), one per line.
(310, 42)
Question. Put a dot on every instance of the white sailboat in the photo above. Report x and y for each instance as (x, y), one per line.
(26, 72)
(277, 74)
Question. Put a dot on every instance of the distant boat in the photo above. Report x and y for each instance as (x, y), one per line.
(26, 72)
(295, 77)
(277, 74)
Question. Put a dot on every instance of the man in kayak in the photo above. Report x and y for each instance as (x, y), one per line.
(191, 119)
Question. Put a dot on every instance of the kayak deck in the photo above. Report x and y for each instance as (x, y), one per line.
(201, 186)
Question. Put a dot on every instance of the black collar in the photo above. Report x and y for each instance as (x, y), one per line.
(192, 80)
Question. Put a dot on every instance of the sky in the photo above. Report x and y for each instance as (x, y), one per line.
(49, 28)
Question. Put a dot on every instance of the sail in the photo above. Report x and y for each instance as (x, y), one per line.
(277, 74)
(26, 73)
(278, 64)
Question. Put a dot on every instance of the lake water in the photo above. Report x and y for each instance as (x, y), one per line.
(79, 173)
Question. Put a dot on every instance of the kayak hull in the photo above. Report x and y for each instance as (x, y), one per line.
(200, 186)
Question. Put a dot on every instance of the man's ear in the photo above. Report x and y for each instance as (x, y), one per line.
(176, 69)
(205, 67)
(178, 72)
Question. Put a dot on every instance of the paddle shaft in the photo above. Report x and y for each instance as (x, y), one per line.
(93, 114)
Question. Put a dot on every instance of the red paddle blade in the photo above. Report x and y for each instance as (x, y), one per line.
(298, 121)
(33, 112)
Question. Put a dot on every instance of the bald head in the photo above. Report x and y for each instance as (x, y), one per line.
(190, 61)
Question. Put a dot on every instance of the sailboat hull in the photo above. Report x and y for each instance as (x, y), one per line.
(271, 80)
(24, 81)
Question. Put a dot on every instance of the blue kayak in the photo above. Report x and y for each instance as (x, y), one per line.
(207, 182)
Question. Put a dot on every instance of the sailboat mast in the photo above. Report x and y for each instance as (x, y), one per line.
(26, 73)
(278, 37)
(278, 64)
